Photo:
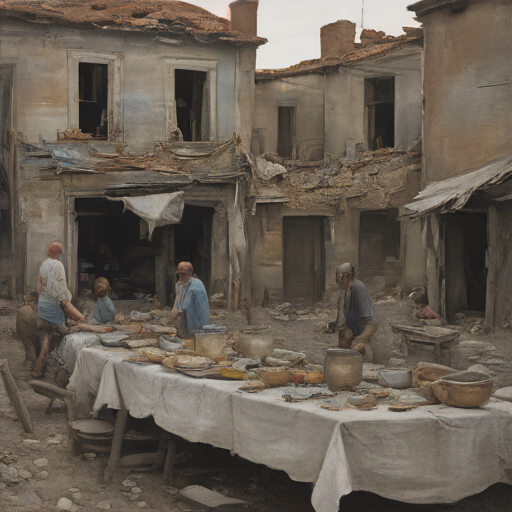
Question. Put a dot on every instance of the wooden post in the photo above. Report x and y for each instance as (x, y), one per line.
(15, 397)
(169, 462)
(492, 263)
(117, 444)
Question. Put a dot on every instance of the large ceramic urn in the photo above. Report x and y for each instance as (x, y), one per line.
(343, 369)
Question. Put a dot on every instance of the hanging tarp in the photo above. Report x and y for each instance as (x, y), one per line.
(157, 209)
(453, 193)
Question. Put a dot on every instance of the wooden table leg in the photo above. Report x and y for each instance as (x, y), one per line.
(117, 444)
(169, 462)
(161, 454)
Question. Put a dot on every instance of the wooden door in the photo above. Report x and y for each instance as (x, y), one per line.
(303, 258)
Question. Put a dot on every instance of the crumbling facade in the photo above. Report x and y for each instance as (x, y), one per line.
(465, 206)
(344, 131)
(116, 99)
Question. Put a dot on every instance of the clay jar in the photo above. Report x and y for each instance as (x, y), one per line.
(343, 369)
(255, 342)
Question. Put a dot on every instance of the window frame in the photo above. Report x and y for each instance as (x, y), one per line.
(208, 66)
(114, 108)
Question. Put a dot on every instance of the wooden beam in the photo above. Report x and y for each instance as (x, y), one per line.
(15, 397)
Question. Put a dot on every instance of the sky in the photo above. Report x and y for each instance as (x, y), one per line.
(292, 27)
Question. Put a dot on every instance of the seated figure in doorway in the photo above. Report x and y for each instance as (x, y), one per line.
(357, 319)
(191, 308)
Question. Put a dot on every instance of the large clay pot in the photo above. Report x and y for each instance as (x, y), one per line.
(255, 342)
(464, 389)
(343, 369)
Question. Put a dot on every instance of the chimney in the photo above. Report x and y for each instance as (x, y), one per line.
(244, 17)
(337, 39)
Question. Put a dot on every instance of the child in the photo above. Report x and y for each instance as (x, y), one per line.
(104, 311)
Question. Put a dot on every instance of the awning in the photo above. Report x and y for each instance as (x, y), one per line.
(452, 194)
(157, 209)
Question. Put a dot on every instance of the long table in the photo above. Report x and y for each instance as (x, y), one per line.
(432, 454)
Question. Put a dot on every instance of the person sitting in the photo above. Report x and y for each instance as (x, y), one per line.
(191, 308)
(104, 311)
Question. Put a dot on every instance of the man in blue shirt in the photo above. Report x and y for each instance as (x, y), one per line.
(191, 308)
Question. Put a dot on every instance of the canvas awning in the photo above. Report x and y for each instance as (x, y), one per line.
(452, 194)
(157, 209)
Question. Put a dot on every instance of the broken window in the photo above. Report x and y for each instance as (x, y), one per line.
(191, 96)
(285, 131)
(380, 107)
(379, 239)
(93, 98)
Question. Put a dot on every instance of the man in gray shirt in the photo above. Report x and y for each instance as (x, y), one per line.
(357, 319)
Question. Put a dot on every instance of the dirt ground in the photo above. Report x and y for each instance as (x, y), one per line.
(37, 470)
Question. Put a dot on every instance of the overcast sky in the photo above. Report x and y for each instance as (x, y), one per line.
(292, 27)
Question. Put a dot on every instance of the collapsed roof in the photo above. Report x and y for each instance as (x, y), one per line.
(377, 179)
(401, 44)
(163, 16)
(452, 194)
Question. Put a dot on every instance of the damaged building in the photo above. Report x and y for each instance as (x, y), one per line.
(338, 151)
(465, 207)
(122, 126)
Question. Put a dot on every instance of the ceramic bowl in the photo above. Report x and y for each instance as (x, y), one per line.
(274, 376)
(464, 389)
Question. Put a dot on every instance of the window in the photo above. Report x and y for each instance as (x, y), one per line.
(190, 89)
(191, 98)
(93, 98)
(95, 105)
(285, 131)
(379, 238)
(380, 107)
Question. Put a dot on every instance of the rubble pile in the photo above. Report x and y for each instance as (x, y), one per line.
(385, 170)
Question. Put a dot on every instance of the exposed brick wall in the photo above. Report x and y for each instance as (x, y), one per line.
(244, 17)
(337, 38)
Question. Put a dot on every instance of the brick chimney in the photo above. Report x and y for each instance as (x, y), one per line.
(244, 17)
(337, 39)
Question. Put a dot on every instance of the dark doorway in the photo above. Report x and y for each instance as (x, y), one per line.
(466, 273)
(380, 106)
(114, 245)
(285, 131)
(193, 241)
(93, 99)
(379, 238)
(303, 258)
(191, 104)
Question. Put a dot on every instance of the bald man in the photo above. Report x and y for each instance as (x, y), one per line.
(53, 295)
(191, 308)
(357, 319)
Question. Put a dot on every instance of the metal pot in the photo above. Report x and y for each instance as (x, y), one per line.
(343, 369)
(255, 342)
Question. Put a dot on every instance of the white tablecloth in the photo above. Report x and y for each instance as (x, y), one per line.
(427, 455)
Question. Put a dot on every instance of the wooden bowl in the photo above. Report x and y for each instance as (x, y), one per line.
(274, 376)
(464, 389)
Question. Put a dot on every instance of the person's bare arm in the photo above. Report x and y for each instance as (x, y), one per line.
(368, 332)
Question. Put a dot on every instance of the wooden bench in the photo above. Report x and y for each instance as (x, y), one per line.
(438, 337)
